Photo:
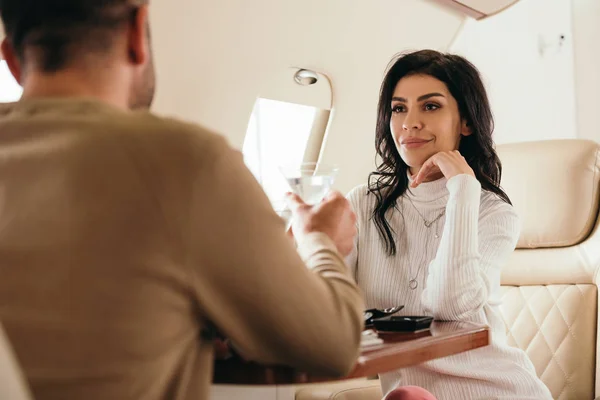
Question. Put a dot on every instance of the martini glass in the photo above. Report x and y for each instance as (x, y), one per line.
(310, 181)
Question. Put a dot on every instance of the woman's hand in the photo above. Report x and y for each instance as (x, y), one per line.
(449, 163)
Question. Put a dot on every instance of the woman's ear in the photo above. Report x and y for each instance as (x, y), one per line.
(465, 129)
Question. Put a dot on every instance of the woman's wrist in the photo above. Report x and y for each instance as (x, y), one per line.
(464, 184)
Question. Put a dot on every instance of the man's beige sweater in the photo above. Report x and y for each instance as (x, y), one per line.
(124, 237)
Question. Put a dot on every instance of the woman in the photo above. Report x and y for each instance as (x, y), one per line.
(435, 229)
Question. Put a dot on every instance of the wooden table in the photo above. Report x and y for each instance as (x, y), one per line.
(399, 350)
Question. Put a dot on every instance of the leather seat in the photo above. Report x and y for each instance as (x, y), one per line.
(12, 384)
(550, 285)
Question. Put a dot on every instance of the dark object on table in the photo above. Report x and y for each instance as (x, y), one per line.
(374, 313)
(402, 323)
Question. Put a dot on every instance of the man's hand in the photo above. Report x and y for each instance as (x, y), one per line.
(333, 217)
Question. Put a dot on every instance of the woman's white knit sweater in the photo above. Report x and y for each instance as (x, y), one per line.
(457, 263)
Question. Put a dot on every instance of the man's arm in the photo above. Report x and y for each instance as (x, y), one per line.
(278, 305)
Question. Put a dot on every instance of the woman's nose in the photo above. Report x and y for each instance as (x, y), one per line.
(412, 122)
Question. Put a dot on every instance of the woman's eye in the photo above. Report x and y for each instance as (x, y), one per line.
(431, 107)
(398, 109)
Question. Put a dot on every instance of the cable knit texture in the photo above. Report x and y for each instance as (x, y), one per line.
(457, 263)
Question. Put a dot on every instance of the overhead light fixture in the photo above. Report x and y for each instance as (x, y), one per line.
(306, 77)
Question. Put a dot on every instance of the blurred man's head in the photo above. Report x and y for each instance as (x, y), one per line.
(91, 43)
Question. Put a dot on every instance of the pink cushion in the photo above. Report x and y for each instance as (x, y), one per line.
(409, 393)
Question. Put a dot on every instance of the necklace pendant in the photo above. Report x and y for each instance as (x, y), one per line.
(428, 224)
(413, 284)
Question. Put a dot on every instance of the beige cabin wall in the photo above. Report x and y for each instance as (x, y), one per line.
(586, 27)
(528, 70)
(214, 56)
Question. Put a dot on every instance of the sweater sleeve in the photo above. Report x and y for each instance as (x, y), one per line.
(278, 304)
(473, 249)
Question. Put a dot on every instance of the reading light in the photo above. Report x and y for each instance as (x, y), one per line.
(305, 77)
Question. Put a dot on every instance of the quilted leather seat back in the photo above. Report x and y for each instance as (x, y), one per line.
(556, 326)
(550, 293)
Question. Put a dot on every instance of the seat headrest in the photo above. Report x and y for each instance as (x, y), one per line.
(553, 186)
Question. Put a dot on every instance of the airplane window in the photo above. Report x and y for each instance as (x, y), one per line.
(278, 134)
(9, 89)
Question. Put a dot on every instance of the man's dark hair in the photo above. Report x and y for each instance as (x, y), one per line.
(55, 32)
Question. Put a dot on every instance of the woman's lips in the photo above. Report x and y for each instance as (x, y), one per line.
(414, 143)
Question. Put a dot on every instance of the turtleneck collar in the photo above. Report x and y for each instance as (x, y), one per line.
(430, 194)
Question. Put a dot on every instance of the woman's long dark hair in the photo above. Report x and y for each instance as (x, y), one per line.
(390, 180)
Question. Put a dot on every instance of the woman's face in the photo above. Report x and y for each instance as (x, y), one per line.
(425, 120)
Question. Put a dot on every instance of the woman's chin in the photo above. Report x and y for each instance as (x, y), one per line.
(414, 163)
(415, 158)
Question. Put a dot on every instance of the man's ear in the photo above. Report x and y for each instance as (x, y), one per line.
(138, 46)
(466, 129)
(12, 60)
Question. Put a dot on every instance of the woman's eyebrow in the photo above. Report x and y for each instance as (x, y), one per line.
(421, 98)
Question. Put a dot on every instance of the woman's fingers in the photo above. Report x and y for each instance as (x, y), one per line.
(449, 163)
(425, 170)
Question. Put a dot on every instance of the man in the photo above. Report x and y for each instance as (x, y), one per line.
(127, 239)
